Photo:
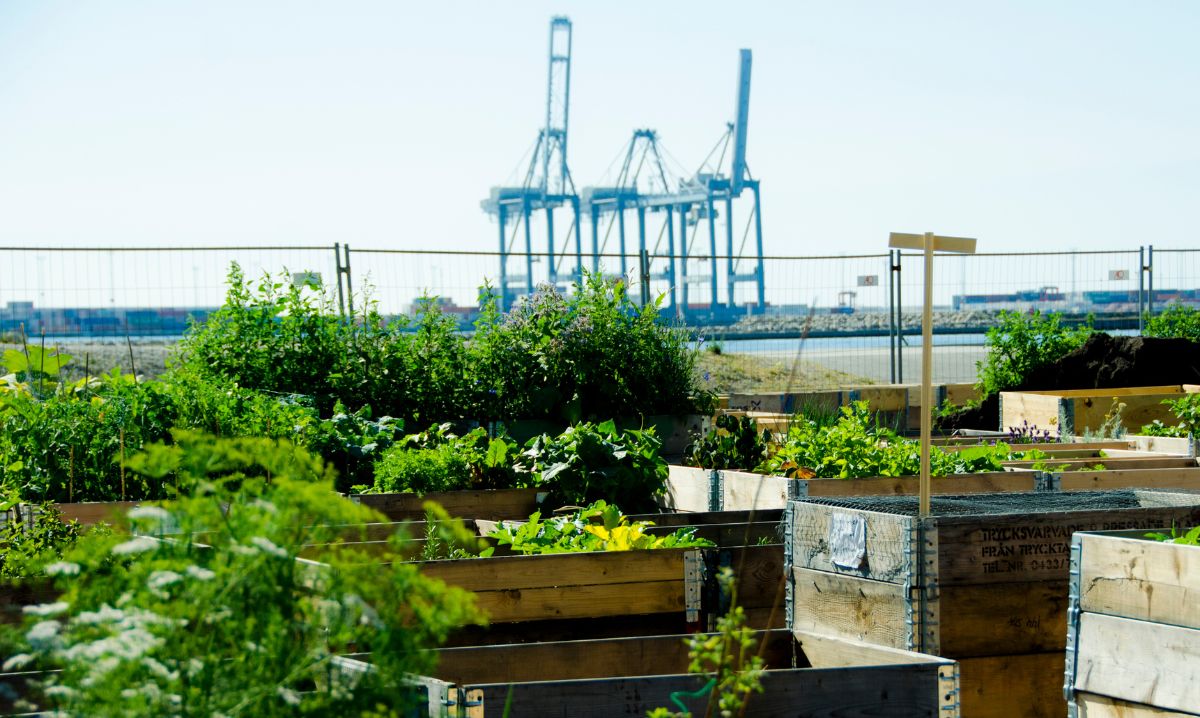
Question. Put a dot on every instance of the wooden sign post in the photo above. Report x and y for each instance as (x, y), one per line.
(929, 243)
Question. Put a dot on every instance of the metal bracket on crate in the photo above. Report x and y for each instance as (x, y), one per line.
(797, 489)
(1073, 616)
(693, 584)
(948, 691)
(921, 588)
(716, 490)
(1047, 481)
(789, 577)
(471, 703)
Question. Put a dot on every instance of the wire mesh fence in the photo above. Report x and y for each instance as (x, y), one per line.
(814, 322)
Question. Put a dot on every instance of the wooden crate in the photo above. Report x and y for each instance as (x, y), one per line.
(1134, 634)
(692, 489)
(984, 578)
(807, 675)
(1073, 412)
(482, 504)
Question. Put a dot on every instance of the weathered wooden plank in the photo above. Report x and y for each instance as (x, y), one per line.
(489, 504)
(989, 482)
(1039, 410)
(13, 597)
(1185, 478)
(688, 489)
(850, 607)
(1089, 705)
(709, 517)
(824, 651)
(887, 542)
(759, 575)
(988, 620)
(1013, 548)
(1136, 578)
(1028, 686)
(744, 491)
(508, 573)
(582, 601)
(1138, 661)
(602, 658)
(860, 692)
(95, 512)
(1111, 464)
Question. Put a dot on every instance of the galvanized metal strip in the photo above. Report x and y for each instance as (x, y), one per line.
(693, 584)
(797, 489)
(912, 587)
(930, 588)
(1047, 481)
(716, 490)
(1073, 616)
(789, 577)
(949, 691)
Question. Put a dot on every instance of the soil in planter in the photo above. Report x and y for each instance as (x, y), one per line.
(1103, 362)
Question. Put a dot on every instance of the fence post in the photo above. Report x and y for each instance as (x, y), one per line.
(1150, 280)
(645, 269)
(349, 285)
(891, 285)
(899, 279)
(337, 263)
(1141, 305)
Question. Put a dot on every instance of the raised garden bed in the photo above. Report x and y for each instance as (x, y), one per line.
(484, 504)
(983, 580)
(808, 675)
(693, 489)
(1076, 411)
(1134, 636)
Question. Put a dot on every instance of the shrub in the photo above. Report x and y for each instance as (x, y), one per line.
(1023, 343)
(589, 462)
(222, 619)
(32, 536)
(593, 354)
(274, 337)
(1176, 321)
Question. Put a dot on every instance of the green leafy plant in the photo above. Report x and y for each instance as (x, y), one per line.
(591, 462)
(1189, 538)
(857, 446)
(440, 460)
(587, 355)
(728, 657)
(220, 618)
(1175, 321)
(598, 527)
(32, 536)
(1186, 409)
(734, 442)
(1019, 344)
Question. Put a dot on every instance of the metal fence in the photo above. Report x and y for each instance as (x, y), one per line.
(827, 320)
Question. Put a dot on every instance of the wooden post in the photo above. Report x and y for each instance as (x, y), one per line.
(928, 243)
(926, 373)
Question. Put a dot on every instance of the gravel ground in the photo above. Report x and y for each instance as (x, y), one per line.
(101, 356)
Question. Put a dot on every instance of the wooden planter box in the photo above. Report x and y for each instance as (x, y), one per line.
(1134, 633)
(807, 675)
(495, 504)
(1073, 412)
(983, 581)
(692, 489)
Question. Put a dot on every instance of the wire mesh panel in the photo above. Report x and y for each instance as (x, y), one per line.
(66, 293)
(970, 290)
(1176, 278)
(1023, 503)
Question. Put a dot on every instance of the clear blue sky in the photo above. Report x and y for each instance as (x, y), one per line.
(1030, 125)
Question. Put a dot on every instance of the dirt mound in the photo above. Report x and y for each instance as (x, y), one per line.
(1103, 362)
